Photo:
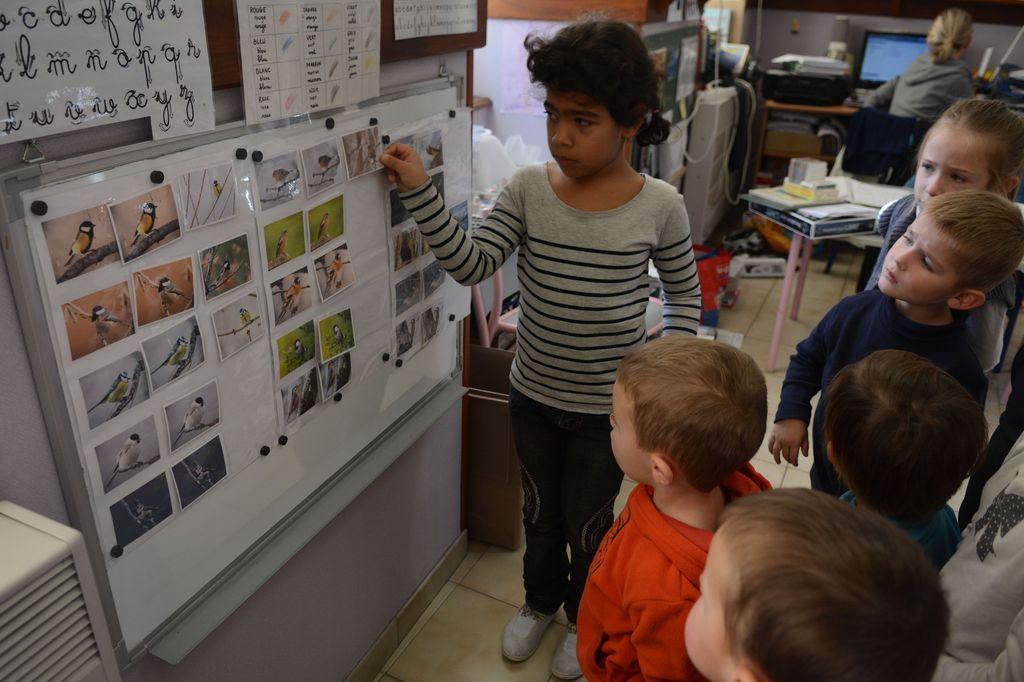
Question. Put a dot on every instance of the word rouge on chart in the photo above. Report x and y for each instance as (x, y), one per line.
(66, 64)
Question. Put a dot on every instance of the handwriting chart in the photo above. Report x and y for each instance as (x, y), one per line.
(69, 64)
(303, 57)
(421, 18)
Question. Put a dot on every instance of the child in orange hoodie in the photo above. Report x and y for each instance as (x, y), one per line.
(687, 416)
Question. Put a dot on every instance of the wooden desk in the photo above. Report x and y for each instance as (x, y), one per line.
(823, 112)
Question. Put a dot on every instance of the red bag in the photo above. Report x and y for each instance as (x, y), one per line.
(713, 273)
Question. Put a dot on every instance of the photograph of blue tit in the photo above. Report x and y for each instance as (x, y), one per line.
(174, 352)
(110, 390)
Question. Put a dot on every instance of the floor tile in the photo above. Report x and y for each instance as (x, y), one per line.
(758, 349)
(739, 317)
(797, 478)
(770, 470)
(462, 642)
(474, 552)
(386, 678)
(793, 331)
(427, 614)
(499, 574)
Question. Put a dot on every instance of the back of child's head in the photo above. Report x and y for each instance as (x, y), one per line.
(999, 129)
(608, 62)
(904, 433)
(950, 32)
(702, 403)
(822, 591)
(985, 231)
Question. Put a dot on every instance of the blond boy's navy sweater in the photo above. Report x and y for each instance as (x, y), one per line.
(854, 328)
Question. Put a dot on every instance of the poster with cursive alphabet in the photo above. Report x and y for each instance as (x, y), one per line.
(70, 64)
(300, 57)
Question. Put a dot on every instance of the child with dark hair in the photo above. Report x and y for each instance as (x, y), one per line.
(585, 227)
(798, 587)
(903, 435)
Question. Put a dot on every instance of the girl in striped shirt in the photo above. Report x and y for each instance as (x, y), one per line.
(585, 228)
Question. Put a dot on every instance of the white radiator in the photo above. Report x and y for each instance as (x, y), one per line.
(51, 622)
(704, 182)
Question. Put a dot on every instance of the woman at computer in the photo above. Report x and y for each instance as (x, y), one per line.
(937, 78)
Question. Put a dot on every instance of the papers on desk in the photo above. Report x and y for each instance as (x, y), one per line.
(867, 193)
(838, 211)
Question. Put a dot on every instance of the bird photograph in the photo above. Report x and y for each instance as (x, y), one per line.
(326, 222)
(321, 162)
(238, 324)
(405, 335)
(336, 334)
(408, 292)
(146, 222)
(163, 291)
(430, 148)
(191, 415)
(278, 179)
(295, 348)
(300, 396)
(362, 152)
(291, 295)
(430, 321)
(80, 242)
(98, 320)
(122, 456)
(284, 240)
(110, 390)
(207, 195)
(433, 278)
(195, 475)
(406, 248)
(174, 352)
(334, 272)
(225, 266)
(335, 374)
(141, 510)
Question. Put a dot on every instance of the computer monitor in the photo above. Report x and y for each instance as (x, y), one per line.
(887, 54)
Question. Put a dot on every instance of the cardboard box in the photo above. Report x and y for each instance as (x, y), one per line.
(495, 504)
(787, 142)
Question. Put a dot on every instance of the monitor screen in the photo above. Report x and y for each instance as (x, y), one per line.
(887, 55)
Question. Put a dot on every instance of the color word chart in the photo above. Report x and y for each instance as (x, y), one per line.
(304, 57)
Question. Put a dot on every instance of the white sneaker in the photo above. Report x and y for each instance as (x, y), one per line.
(565, 665)
(522, 634)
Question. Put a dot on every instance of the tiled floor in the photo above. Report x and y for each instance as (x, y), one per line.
(457, 637)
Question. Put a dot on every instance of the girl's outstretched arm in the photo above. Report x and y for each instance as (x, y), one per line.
(677, 270)
(468, 259)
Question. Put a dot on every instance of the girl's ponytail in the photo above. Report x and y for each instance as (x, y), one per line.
(949, 33)
(654, 130)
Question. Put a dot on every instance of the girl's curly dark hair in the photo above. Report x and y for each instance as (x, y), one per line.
(608, 62)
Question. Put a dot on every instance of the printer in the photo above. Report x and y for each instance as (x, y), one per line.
(806, 88)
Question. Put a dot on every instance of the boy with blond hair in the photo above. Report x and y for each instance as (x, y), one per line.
(903, 435)
(960, 246)
(687, 416)
(775, 606)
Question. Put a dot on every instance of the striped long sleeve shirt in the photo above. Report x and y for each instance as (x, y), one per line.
(582, 276)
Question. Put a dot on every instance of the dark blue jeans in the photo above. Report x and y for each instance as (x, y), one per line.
(570, 481)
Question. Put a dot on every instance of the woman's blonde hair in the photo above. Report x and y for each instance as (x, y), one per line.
(950, 32)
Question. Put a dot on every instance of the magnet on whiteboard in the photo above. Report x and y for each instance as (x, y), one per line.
(451, 318)
(241, 154)
(373, 121)
(38, 207)
(282, 440)
(257, 156)
(116, 551)
(385, 139)
(451, 113)
(265, 450)
(329, 123)
(387, 356)
(337, 397)
(156, 177)
(398, 362)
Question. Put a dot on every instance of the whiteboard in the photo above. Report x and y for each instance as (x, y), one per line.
(155, 576)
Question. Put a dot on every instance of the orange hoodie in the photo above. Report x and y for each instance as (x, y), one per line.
(642, 584)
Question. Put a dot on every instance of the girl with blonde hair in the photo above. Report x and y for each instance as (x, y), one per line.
(937, 78)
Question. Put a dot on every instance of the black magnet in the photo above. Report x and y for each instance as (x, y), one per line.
(257, 156)
(282, 440)
(398, 362)
(337, 397)
(329, 123)
(116, 551)
(241, 154)
(38, 207)
(265, 450)
(385, 139)
(387, 356)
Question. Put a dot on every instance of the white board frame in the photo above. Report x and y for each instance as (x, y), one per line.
(425, 387)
